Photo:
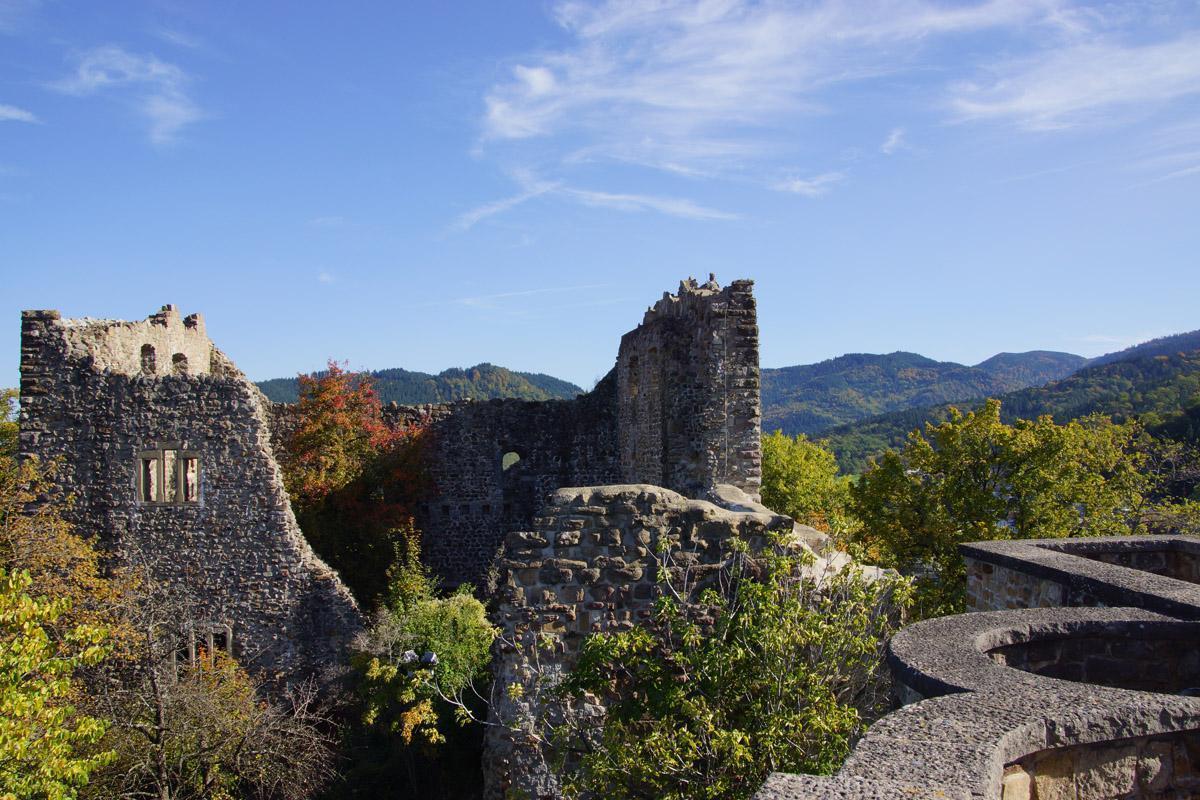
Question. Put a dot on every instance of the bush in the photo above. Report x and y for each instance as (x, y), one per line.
(418, 666)
(779, 672)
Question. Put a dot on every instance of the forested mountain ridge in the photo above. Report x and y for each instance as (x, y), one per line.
(1162, 346)
(480, 382)
(812, 398)
(1162, 390)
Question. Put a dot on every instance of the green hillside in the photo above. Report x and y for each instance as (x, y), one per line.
(480, 382)
(1164, 346)
(1162, 390)
(812, 398)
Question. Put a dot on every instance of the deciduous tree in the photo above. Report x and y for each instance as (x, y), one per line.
(353, 479)
(800, 478)
(46, 744)
(975, 478)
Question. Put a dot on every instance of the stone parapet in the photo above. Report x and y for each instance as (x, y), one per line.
(1109, 571)
(986, 729)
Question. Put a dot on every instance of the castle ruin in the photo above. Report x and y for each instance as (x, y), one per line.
(679, 410)
(167, 449)
(164, 447)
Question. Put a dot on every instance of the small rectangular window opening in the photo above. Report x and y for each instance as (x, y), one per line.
(148, 483)
(168, 475)
(189, 468)
(171, 476)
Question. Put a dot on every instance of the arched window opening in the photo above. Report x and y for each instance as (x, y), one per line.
(149, 360)
(179, 363)
(509, 460)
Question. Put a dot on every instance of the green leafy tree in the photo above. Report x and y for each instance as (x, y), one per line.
(975, 478)
(46, 744)
(800, 478)
(418, 666)
(8, 423)
(778, 672)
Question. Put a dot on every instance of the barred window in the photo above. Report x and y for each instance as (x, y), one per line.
(169, 475)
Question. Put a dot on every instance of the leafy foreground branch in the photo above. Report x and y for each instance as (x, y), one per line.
(773, 667)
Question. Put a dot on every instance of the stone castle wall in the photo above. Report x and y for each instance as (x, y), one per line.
(680, 410)
(689, 415)
(97, 395)
(479, 497)
(591, 563)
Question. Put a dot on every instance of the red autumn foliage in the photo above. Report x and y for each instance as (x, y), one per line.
(353, 478)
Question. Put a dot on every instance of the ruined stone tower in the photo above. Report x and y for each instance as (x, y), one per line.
(688, 392)
(679, 410)
(164, 446)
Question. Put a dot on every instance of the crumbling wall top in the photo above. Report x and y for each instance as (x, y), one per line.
(164, 343)
(691, 294)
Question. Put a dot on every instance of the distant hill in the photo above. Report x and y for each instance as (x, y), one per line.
(1164, 346)
(812, 398)
(1160, 388)
(480, 382)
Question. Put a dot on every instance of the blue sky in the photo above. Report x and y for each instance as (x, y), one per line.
(429, 185)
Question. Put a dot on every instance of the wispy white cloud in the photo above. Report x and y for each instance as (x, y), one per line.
(810, 187)
(15, 13)
(533, 187)
(1172, 151)
(671, 206)
(326, 277)
(331, 221)
(179, 38)
(648, 81)
(893, 142)
(14, 114)
(159, 88)
(1185, 172)
(469, 219)
(500, 299)
(1083, 83)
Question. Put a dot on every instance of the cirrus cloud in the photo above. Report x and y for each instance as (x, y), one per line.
(158, 88)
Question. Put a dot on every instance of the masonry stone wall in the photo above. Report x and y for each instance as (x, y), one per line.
(1154, 572)
(991, 587)
(680, 409)
(479, 497)
(1144, 768)
(591, 563)
(688, 385)
(97, 394)
(1163, 660)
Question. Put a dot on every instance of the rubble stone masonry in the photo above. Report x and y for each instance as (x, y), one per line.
(98, 397)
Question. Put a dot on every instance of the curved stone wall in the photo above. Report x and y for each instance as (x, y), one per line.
(986, 730)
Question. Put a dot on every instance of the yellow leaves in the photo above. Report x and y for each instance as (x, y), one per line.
(40, 732)
(420, 718)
